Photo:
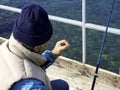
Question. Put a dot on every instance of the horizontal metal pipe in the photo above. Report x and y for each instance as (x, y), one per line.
(102, 28)
(65, 20)
(13, 9)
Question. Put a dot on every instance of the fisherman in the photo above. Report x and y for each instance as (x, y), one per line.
(24, 57)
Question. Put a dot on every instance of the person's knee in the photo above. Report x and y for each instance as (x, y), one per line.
(59, 84)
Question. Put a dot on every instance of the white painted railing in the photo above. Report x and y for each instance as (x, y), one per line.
(82, 24)
(83, 31)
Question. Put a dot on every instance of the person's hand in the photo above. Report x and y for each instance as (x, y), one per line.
(60, 47)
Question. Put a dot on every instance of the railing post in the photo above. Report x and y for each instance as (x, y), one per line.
(83, 31)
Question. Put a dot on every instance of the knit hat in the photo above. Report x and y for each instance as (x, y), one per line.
(33, 26)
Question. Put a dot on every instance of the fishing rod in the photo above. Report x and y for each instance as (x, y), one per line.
(102, 46)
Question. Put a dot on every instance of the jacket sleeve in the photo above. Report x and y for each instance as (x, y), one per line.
(50, 58)
(28, 84)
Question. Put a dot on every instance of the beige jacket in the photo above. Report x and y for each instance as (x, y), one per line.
(17, 62)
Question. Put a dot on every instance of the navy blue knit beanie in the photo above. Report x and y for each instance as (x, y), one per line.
(33, 26)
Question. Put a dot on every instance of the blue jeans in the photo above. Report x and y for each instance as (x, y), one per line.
(34, 84)
(59, 84)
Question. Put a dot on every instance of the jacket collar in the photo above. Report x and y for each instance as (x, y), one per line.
(18, 49)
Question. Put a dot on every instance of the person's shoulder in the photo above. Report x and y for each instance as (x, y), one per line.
(28, 84)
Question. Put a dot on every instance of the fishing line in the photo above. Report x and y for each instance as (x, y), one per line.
(102, 46)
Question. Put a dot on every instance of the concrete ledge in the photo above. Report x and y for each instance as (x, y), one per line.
(88, 71)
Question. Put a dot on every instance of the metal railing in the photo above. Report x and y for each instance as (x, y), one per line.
(82, 24)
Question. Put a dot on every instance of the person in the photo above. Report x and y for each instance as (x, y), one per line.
(24, 57)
